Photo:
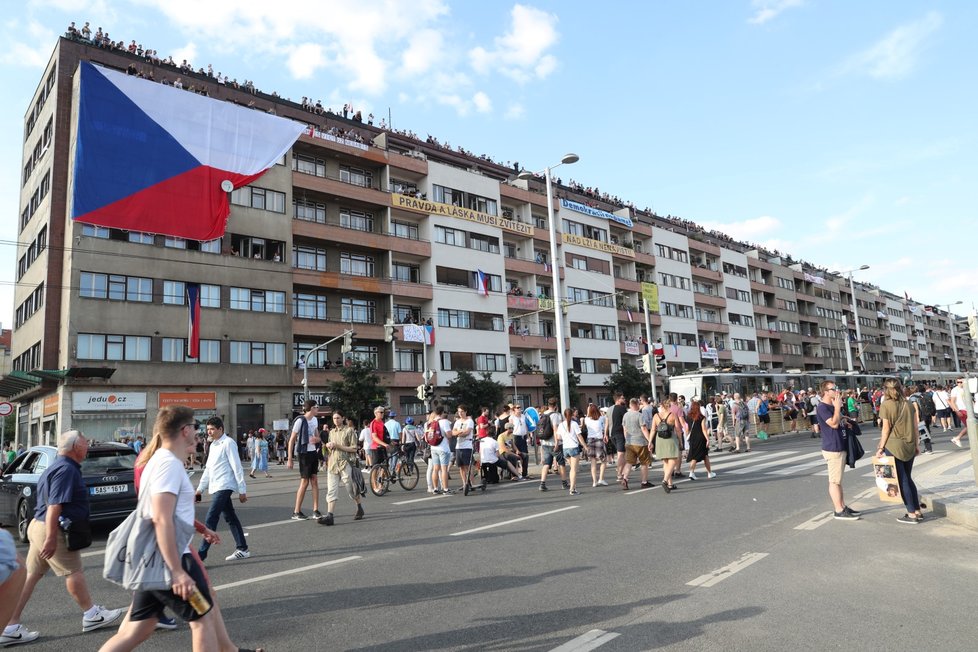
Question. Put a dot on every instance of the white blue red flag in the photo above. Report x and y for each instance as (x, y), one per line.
(429, 335)
(193, 330)
(482, 283)
(152, 158)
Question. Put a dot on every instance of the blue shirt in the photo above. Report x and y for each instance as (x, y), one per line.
(62, 484)
(833, 439)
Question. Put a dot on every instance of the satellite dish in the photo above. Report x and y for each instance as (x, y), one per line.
(227, 186)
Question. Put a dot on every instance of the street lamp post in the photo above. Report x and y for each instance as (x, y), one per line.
(855, 316)
(954, 346)
(554, 268)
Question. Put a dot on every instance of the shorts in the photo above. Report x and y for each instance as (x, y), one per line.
(963, 416)
(944, 414)
(440, 457)
(639, 454)
(463, 456)
(308, 464)
(765, 418)
(572, 452)
(595, 449)
(64, 562)
(812, 419)
(551, 454)
(619, 442)
(150, 604)
(836, 463)
(378, 455)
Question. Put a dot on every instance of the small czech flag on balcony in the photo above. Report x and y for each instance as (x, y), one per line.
(482, 283)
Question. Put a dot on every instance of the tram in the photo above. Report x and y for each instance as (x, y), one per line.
(710, 381)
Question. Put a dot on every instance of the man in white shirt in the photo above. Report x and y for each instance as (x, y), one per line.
(958, 403)
(223, 475)
(304, 444)
(520, 433)
(942, 403)
(463, 431)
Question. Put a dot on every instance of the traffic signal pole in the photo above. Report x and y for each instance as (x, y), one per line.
(305, 368)
(648, 338)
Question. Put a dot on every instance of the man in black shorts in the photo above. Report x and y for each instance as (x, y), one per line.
(304, 444)
(616, 431)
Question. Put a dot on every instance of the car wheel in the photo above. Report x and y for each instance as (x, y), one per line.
(24, 517)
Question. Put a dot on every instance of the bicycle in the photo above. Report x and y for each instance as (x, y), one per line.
(405, 473)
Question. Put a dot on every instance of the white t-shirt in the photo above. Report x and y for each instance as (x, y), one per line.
(366, 440)
(941, 400)
(488, 450)
(313, 424)
(957, 395)
(569, 439)
(595, 428)
(446, 430)
(464, 441)
(165, 474)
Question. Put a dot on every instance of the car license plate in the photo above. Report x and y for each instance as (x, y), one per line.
(109, 489)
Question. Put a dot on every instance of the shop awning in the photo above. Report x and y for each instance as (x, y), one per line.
(19, 382)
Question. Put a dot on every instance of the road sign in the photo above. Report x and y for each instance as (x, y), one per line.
(5, 409)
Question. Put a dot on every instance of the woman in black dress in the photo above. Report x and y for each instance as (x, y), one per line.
(699, 447)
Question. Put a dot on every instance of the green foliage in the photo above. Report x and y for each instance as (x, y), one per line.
(551, 387)
(631, 381)
(358, 392)
(474, 392)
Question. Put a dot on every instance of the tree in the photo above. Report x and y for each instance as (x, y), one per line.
(474, 393)
(551, 387)
(631, 381)
(358, 392)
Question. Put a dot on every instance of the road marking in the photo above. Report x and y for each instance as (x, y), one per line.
(292, 571)
(261, 525)
(815, 521)
(94, 553)
(792, 470)
(420, 500)
(587, 641)
(752, 468)
(743, 460)
(515, 520)
(721, 574)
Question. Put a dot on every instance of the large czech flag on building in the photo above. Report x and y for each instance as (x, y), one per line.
(154, 158)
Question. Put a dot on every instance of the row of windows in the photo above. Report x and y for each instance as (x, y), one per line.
(460, 238)
(138, 348)
(29, 359)
(676, 310)
(36, 198)
(481, 321)
(260, 198)
(828, 313)
(592, 331)
(41, 99)
(459, 361)
(29, 306)
(671, 253)
(40, 149)
(34, 249)
(897, 328)
(673, 281)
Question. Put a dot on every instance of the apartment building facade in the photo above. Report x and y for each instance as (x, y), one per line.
(357, 227)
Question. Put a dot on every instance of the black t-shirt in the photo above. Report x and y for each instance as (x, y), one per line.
(617, 414)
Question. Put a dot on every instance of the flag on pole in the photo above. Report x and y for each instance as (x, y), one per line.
(629, 313)
(482, 283)
(193, 330)
(429, 335)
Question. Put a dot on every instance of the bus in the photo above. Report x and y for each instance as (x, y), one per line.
(707, 382)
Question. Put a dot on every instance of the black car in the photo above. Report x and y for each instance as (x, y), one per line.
(108, 473)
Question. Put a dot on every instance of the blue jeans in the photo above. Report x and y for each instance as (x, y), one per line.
(221, 504)
(907, 487)
(524, 452)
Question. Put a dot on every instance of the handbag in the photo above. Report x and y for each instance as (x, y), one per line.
(356, 477)
(78, 535)
(854, 449)
(132, 555)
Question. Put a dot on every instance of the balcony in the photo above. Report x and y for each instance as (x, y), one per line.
(627, 284)
(765, 310)
(638, 317)
(362, 284)
(535, 342)
(391, 379)
(325, 329)
(526, 266)
(334, 188)
(341, 234)
(704, 247)
(709, 300)
(712, 327)
(706, 273)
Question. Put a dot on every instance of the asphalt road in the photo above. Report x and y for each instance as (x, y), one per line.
(747, 561)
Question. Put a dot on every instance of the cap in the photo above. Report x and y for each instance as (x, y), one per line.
(604, 409)
(393, 414)
(262, 430)
(409, 421)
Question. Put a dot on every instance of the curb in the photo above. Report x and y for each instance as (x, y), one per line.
(955, 513)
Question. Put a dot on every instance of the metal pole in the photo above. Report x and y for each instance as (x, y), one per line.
(845, 324)
(305, 368)
(954, 346)
(971, 423)
(558, 295)
(648, 337)
(855, 317)
(424, 373)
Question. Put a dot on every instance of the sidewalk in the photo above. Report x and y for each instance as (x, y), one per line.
(950, 487)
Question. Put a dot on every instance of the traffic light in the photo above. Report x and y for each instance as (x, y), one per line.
(660, 356)
(421, 392)
(347, 342)
(973, 326)
(389, 331)
(646, 363)
(429, 392)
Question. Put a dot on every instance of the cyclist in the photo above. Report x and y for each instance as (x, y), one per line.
(409, 439)
(394, 435)
(379, 443)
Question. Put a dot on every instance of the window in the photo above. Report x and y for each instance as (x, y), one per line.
(455, 361)
(175, 349)
(265, 353)
(113, 347)
(680, 339)
(734, 270)
(309, 211)
(707, 315)
(174, 243)
(308, 306)
(740, 320)
(356, 176)
(786, 283)
(673, 281)
(358, 311)
(584, 365)
(445, 195)
(405, 230)
(211, 246)
(676, 310)
(141, 238)
(405, 272)
(210, 296)
(356, 264)
(93, 231)
(408, 360)
(365, 353)
(595, 298)
(309, 165)
(465, 278)
(484, 243)
(743, 345)
(357, 220)
(309, 258)
(464, 319)
(449, 236)
(739, 295)
(257, 300)
(482, 204)
(791, 306)
(260, 198)
(174, 292)
(30, 305)
(490, 362)
(115, 286)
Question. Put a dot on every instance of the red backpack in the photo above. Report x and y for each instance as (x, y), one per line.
(432, 433)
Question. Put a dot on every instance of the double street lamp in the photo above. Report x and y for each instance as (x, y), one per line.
(950, 321)
(554, 268)
(855, 318)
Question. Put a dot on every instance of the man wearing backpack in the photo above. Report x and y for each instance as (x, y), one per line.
(304, 444)
(925, 406)
(551, 451)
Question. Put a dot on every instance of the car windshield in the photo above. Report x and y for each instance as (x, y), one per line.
(108, 461)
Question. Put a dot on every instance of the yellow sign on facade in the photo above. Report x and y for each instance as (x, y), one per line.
(650, 292)
(450, 210)
(607, 247)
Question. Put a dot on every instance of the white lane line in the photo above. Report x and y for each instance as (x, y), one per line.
(721, 574)
(815, 521)
(419, 500)
(261, 525)
(94, 553)
(587, 641)
(765, 465)
(792, 470)
(744, 460)
(291, 571)
(515, 520)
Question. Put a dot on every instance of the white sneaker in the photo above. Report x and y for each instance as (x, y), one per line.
(956, 442)
(711, 475)
(602, 483)
(17, 635)
(692, 476)
(594, 484)
(238, 554)
(103, 618)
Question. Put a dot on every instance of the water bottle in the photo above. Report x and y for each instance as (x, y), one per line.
(65, 523)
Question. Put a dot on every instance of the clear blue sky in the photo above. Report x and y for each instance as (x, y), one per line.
(841, 132)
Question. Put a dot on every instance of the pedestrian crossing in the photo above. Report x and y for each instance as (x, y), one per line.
(793, 463)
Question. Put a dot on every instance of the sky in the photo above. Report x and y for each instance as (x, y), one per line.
(841, 132)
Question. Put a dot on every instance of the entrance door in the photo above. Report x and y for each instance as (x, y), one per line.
(249, 416)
